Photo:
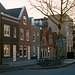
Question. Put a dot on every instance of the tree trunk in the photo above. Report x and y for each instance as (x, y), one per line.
(58, 39)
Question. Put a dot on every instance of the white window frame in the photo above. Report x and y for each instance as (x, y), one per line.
(14, 32)
(27, 35)
(25, 48)
(20, 48)
(34, 35)
(38, 34)
(6, 50)
(24, 20)
(40, 22)
(7, 26)
(34, 50)
(21, 30)
(32, 21)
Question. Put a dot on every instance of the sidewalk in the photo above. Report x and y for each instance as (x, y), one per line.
(69, 61)
(33, 62)
(18, 63)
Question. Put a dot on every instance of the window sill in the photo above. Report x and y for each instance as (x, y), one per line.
(20, 56)
(33, 55)
(27, 40)
(6, 36)
(6, 56)
(34, 41)
(15, 37)
(25, 56)
(22, 39)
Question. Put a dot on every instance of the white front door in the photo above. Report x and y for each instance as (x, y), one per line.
(14, 52)
(28, 52)
(38, 52)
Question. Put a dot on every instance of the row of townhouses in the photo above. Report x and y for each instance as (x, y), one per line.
(19, 39)
(23, 38)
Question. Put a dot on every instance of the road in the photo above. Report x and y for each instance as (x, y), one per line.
(70, 70)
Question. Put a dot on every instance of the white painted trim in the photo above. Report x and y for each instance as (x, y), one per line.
(21, 12)
(14, 52)
(8, 16)
(10, 20)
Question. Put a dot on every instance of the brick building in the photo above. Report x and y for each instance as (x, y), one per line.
(35, 39)
(66, 34)
(24, 35)
(9, 36)
(47, 43)
(17, 35)
(42, 23)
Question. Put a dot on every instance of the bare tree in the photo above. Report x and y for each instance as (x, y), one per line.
(47, 7)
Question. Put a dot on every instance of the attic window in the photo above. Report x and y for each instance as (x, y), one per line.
(24, 20)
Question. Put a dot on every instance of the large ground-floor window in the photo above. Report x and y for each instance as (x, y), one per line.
(25, 51)
(21, 51)
(6, 50)
(33, 50)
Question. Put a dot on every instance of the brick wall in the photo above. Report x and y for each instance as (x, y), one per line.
(35, 29)
(25, 27)
(9, 40)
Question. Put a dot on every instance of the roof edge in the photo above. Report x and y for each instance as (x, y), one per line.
(21, 12)
(8, 16)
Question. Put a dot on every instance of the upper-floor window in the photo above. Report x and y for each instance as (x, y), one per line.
(6, 50)
(6, 30)
(33, 36)
(44, 41)
(27, 35)
(49, 39)
(14, 32)
(21, 34)
(24, 20)
(40, 22)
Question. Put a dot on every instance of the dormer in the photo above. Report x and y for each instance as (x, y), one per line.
(31, 20)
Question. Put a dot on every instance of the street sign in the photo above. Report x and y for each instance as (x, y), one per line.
(59, 43)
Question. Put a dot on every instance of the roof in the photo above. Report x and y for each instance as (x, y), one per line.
(2, 8)
(12, 12)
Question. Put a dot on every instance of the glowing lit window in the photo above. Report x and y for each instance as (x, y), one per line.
(6, 50)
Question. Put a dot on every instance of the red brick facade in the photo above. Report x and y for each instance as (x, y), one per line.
(25, 27)
(47, 49)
